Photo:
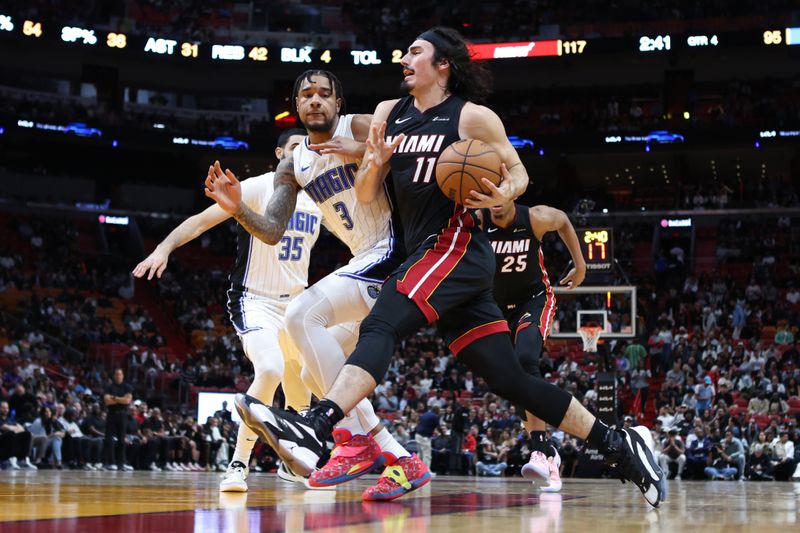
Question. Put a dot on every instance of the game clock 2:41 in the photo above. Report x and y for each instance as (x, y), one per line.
(655, 44)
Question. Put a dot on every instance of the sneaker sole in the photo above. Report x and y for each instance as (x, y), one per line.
(531, 473)
(416, 484)
(298, 467)
(344, 478)
(233, 488)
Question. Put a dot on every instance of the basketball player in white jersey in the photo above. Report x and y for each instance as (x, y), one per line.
(324, 166)
(263, 282)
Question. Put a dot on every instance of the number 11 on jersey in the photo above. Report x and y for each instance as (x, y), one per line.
(421, 162)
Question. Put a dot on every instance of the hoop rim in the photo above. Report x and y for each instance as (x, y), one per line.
(589, 337)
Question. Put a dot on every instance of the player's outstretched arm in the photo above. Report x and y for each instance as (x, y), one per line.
(545, 219)
(191, 228)
(375, 166)
(225, 189)
(479, 122)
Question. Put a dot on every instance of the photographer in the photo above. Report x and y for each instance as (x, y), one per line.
(673, 452)
(726, 458)
(760, 468)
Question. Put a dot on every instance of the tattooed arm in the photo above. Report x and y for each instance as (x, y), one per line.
(225, 189)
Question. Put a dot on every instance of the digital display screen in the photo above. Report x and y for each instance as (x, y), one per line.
(597, 245)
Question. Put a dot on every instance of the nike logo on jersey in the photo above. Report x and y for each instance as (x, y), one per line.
(303, 169)
(441, 119)
(491, 230)
(398, 121)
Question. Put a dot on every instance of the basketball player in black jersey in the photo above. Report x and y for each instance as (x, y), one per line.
(448, 275)
(522, 290)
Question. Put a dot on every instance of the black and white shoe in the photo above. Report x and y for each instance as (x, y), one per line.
(630, 450)
(298, 440)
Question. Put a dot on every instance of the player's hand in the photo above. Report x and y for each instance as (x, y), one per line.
(341, 146)
(223, 188)
(379, 152)
(153, 265)
(500, 195)
(574, 277)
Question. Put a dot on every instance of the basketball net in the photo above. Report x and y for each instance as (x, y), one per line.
(590, 335)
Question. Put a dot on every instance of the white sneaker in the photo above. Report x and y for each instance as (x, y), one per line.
(169, 467)
(286, 474)
(796, 474)
(554, 484)
(98, 466)
(234, 480)
(127, 468)
(154, 467)
(14, 464)
(537, 469)
(112, 467)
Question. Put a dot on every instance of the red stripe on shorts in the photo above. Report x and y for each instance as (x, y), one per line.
(478, 332)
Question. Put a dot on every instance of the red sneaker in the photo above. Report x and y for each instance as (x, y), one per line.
(352, 457)
(404, 476)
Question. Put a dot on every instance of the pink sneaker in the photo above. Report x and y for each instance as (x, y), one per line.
(537, 469)
(555, 478)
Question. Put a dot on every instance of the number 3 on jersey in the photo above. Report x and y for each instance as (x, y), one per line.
(291, 249)
(344, 214)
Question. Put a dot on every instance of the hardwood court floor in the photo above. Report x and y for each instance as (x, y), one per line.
(190, 502)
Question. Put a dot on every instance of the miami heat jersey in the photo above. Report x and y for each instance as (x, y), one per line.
(329, 180)
(280, 270)
(520, 273)
(424, 211)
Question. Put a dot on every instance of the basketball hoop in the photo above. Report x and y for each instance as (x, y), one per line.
(590, 335)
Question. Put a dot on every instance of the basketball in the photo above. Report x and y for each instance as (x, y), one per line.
(462, 165)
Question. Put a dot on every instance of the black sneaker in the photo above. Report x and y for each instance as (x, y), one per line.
(298, 440)
(630, 451)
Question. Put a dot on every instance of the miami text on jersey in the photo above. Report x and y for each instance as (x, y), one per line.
(419, 144)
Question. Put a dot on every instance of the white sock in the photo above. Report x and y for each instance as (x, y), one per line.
(352, 424)
(262, 348)
(388, 444)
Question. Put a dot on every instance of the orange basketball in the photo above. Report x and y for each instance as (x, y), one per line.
(462, 165)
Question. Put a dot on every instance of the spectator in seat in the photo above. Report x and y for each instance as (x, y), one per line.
(490, 463)
(760, 467)
(93, 427)
(15, 441)
(673, 453)
(48, 435)
(469, 446)
(698, 446)
(758, 405)
(705, 395)
(83, 451)
(783, 457)
(440, 450)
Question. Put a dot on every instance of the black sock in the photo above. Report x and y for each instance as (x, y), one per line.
(330, 411)
(539, 442)
(597, 435)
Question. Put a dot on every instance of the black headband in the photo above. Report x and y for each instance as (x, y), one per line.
(437, 40)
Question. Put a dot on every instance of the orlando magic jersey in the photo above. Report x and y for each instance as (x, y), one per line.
(520, 273)
(329, 180)
(274, 271)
